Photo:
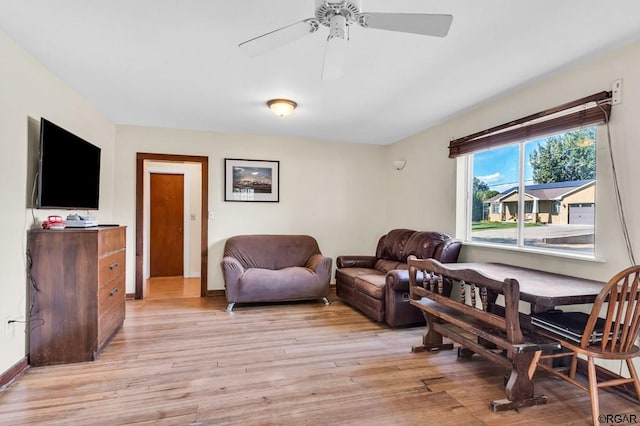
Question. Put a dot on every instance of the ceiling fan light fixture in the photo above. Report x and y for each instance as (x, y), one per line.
(282, 107)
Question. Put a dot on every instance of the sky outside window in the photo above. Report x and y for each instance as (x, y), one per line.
(498, 167)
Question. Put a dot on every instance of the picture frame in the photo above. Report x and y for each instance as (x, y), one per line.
(251, 180)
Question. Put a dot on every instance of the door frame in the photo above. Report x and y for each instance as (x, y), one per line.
(140, 217)
(185, 218)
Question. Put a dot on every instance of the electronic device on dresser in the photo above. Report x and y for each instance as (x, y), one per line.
(79, 221)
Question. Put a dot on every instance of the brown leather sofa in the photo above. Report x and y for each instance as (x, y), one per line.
(274, 268)
(379, 285)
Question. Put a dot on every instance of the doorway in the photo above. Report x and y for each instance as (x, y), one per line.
(166, 225)
(169, 182)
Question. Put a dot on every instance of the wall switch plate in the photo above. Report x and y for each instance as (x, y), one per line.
(616, 92)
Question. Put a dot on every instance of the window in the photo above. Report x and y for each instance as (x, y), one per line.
(541, 172)
(551, 180)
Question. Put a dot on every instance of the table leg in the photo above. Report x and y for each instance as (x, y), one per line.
(431, 339)
(519, 388)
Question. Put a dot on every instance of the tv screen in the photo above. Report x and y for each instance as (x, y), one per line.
(68, 170)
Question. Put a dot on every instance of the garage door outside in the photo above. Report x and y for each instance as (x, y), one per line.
(582, 214)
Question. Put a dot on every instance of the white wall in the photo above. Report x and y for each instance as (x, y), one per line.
(428, 184)
(332, 191)
(27, 92)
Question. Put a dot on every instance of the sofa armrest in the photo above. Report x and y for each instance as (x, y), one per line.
(321, 265)
(232, 270)
(448, 251)
(356, 261)
(398, 280)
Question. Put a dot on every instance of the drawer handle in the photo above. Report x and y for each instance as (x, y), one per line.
(113, 266)
(113, 292)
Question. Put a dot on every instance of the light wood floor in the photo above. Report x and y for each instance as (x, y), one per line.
(188, 362)
(171, 287)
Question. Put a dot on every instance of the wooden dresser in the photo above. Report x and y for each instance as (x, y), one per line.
(77, 292)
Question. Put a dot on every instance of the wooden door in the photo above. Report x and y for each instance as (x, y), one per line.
(166, 242)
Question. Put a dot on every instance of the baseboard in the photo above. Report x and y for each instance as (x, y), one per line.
(131, 296)
(14, 373)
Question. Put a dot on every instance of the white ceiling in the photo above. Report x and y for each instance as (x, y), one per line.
(175, 63)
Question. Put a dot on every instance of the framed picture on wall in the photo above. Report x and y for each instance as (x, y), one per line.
(251, 180)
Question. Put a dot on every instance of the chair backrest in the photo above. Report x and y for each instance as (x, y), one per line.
(622, 321)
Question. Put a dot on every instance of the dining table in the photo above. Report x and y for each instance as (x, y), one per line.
(541, 289)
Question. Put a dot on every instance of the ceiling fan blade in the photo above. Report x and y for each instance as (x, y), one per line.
(279, 37)
(334, 58)
(336, 49)
(417, 23)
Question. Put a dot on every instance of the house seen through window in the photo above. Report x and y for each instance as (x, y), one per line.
(551, 207)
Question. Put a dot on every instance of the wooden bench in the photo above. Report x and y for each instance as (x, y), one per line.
(478, 324)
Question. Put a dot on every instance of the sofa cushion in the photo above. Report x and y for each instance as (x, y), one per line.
(386, 265)
(372, 285)
(423, 244)
(392, 245)
(347, 276)
(268, 285)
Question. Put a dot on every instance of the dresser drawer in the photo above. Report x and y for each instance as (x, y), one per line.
(111, 309)
(108, 322)
(110, 240)
(111, 267)
(110, 294)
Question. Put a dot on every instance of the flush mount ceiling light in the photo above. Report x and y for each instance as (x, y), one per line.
(282, 107)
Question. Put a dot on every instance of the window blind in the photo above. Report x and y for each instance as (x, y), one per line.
(590, 110)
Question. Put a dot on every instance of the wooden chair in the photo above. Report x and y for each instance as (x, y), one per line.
(622, 325)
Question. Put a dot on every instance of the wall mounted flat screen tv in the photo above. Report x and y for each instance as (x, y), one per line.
(68, 170)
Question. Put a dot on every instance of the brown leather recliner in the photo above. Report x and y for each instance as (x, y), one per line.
(274, 268)
(379, 285)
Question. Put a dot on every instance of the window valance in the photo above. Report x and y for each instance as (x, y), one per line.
(591, 110)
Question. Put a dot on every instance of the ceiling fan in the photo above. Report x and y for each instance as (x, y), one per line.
(338, 16)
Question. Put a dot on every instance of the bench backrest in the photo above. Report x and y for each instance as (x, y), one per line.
(427, 277)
